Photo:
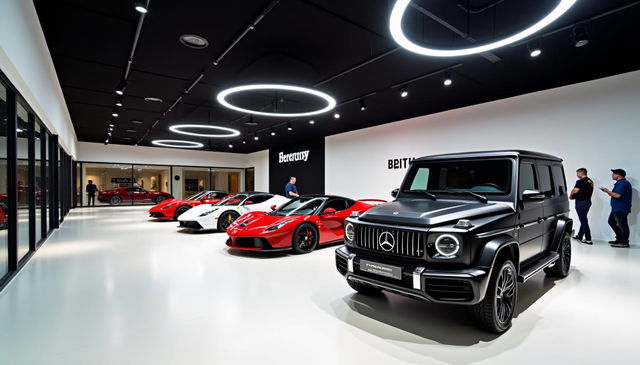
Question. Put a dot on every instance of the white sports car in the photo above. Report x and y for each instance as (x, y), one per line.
(219, 216)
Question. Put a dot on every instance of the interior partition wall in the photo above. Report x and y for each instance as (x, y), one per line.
(35, 181)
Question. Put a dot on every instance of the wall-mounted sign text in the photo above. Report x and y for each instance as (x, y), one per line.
(123, 180)
(399, 163)
(292, 157)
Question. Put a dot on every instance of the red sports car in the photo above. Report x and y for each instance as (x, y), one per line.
(132, 194)
(173, 208)
(299, 225)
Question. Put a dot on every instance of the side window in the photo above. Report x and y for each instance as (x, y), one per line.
(559, 180)
(337, 204)
(132, 190)
(527, 180)
(220, 195)
(546, 185)
(259, 198)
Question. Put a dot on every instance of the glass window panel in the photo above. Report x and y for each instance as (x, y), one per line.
(4, 239)
(228, 180)
(22, 175)
(111, 180)
(38, 179)
(195, 179)
(152, 183)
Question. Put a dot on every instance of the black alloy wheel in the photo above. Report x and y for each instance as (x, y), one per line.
(561, 267)
(305, 238)
(115, 200)
(180, 210)
(225, 220)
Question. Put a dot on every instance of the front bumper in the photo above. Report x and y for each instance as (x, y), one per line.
(253, 244)
(159, 215)
(466, 286)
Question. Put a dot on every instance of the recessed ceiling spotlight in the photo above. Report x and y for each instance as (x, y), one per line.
(193, 41)
(141, 6)
(230, 146)
(106, 141)
(244, 141)
(395, 26)
(289, 126)
(363, 107)
(222, 96)
(404, 93)
(312, 121)
(176, 143)
(112, 124)
(446, 80)
(273, 132)
(122, 85)
(336, 115)
(109, 133)
(580, 36)
(534, 49)
(118, 102)
(136, 121)
(114, 112)
(251, 122)
(255, 138)
(178, 128)
(151, 99)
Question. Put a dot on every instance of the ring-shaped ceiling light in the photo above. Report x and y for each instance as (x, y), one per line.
(395, 25)
(331, 102)
(176, 143)
(178, 128)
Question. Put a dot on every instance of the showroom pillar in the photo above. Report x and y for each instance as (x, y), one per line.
(12, 187)
(31, 180)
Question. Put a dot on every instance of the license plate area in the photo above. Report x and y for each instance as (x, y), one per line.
(389, 271)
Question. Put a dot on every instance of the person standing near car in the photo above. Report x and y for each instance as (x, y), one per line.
(581, 193)
(91, 192)
(620, 207)
(291, 190)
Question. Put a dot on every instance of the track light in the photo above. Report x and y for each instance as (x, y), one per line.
(114, 112)
(255, 138)
(363, 107)
(312, 121)
(289, 126)
(404, 93)
(336, 115)
(106, 141)
(244, 141)
(118, 102)
(109, 134)
(580, 36)
(230, 146)
(273, 132)
(122, 85)
(446, 80)
(534, 49)
(112, 124)
(141, 6)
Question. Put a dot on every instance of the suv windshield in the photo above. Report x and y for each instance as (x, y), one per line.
(299, 206)
(233, 200)
(452, 177)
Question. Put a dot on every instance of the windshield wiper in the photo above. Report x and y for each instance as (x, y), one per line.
(482, 198)
(430, 195)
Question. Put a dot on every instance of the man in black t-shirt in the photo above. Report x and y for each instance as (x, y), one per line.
(581, 193)
(91, 191)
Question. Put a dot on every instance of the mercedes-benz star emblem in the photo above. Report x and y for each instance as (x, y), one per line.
(386, 241)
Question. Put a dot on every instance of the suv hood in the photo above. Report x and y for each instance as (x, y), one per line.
(423, 212)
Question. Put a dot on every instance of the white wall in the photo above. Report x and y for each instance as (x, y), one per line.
(260, 160)
(25, 59)
(594, 124)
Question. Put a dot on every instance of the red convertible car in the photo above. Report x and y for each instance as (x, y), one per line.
(171, 209)
(299, 225)
(132, 194)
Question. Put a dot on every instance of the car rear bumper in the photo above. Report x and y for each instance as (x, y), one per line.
(465, 287)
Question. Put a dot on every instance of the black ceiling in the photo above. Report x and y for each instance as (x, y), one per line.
(343, 48)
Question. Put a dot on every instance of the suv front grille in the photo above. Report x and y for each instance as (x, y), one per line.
(405, 243)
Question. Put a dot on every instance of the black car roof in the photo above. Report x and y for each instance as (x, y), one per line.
(498, 153)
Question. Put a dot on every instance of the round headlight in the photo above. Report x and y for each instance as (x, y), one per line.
(349, 232)
(447, 245)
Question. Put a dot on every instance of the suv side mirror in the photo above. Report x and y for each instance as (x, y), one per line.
(533, 195)
(394, 193)
(273, 207)
(329, 211)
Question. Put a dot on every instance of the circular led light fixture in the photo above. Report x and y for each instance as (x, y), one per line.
(175, 143)
(193, 41)
(395, 26)
(222, 96)
(178, 128)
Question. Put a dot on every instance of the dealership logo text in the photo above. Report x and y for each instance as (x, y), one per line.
(399, 163)
(291, 157)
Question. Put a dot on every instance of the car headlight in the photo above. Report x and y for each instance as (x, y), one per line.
(349, 232)
(167, 206)
(277, 226)
(208, 212)
(447, 245)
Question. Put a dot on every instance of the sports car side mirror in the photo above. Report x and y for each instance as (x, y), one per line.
(394, 193)
(329, 211)
(273, 207)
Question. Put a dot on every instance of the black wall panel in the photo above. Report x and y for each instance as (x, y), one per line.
(290, 161)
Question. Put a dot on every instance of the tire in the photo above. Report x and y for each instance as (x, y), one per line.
(561, 268)
(160, 199)
(180, 210)
(364, 289)
(115, 200)
(305, 238)
(225, 220)
(495, 312)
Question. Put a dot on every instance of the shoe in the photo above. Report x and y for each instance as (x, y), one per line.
(577, 238)
(620, 245)
(587, 242)
(614, 242)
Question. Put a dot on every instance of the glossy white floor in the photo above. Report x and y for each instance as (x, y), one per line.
(110, 287)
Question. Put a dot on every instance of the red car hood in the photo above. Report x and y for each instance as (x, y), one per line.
(260, 220)
(175, 201)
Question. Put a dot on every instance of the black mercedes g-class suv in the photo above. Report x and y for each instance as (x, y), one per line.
(464, 229)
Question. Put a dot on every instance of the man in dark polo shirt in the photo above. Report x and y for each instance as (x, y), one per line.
(581, 193)
(620, 207)
(291, 190)
(91, 192)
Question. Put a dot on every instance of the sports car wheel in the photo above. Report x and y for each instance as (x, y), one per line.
(160, 199)
(305, 238)
(495, 311)
(561, 268)
(180, 210)
(225, 220)
(115, 200)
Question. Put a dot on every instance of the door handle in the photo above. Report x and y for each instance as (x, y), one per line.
(540, 220)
